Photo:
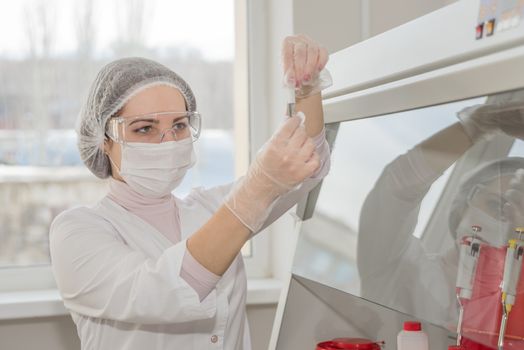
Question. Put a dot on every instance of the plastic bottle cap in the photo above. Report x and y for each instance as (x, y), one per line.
(455, 347)
(412, 326)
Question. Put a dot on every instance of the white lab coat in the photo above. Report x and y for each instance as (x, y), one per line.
(120, 278)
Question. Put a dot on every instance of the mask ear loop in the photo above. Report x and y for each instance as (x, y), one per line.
(111, 161)
(107, 138)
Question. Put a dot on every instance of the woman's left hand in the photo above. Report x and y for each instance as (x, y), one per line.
(302, 60)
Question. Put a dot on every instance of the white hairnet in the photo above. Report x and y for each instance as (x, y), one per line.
(114, 85)
(482, 174)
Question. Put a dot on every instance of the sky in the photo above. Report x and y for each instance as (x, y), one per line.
(204, 24)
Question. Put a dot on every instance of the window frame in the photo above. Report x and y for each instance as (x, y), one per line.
(251, 109)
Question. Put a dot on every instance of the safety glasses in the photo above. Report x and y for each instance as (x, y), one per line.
(155, 127)
(491, 203)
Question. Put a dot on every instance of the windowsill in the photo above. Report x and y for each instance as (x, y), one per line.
(28, 304)
(263, 291)
(47, 303)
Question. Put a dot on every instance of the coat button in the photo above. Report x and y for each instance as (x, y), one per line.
(214, 338)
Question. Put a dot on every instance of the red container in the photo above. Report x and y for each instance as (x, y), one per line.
(482, 313)
(349, 343)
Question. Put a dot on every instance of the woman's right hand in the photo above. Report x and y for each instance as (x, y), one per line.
(286, 160)
(289, 157)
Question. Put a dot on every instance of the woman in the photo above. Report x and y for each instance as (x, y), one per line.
(143, 269)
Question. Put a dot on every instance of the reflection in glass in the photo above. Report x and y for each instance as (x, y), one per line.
(420, 207)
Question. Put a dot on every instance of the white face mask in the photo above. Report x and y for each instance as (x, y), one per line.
(494, 232)
(156, 169)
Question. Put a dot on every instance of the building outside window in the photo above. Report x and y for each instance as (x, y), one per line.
(49, 54)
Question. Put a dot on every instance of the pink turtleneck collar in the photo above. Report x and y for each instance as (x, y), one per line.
(161, 213)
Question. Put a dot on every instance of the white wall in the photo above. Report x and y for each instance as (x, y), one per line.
(335, 26)
(338, 24)
(45, 333)
(260, 324)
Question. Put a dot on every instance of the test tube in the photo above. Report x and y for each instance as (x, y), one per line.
(290, 101)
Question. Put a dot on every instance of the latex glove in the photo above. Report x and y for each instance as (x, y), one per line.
(286, 160)
(304, 62)
(513, 209)
(501, 113)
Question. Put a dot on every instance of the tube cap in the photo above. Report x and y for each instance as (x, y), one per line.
(412, 326)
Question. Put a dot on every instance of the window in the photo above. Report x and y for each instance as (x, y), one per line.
(47, 62)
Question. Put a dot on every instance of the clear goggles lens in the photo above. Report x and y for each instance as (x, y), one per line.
(155, 127)
(491, 203)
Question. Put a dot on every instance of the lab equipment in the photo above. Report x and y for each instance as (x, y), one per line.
(468, 258)
(283, 162)
(512, 269)
(114, 85)
(437, 71)
(412, 337)
(485, 316)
